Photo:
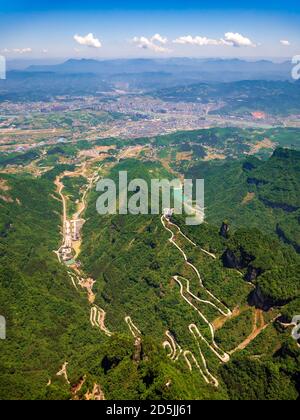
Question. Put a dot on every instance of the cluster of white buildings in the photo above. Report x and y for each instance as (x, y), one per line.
(168, 213)
(72, 230)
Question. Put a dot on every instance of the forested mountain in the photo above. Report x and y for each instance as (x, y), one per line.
(134, 265)
(231, 281)
(263, 194)
(48, 321)
(122, 280)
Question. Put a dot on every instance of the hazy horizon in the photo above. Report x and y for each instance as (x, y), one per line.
(107, 31)
(23, 63)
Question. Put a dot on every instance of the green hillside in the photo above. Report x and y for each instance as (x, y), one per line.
(161, 301)
(254, 193)
(48, 320)
(134, 265)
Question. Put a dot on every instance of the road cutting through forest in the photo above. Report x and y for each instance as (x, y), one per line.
(172, 344)
(176, 351)
(191, 242)
(172, 240)
(187, 353)
(188, 296)
(132, 327)
(97, 319)
(257, 329)
(63, 372)
(207, 302)
(97, 315)
(214, 348)
(198, 337)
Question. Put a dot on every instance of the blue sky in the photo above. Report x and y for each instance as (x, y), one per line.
(46, 5)
(36, 29)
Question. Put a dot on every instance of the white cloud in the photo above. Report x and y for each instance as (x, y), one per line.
(88, 40)
(230, 39)
(156, 43)
(44, 51)
(197, 40)
(238, 40)
(22, 50)
(285, 42)
(159, 38)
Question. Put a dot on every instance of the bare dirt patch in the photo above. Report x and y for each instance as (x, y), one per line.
(184, 156)
(248, 198)
(259, 325)
(88, 284)
(4, 188)
(131, 152)
(96, 151)
(96, 395)
(6, 199)
(264, 144)
(77, 388)
(213, 154)
(219, 322)
(4, 185)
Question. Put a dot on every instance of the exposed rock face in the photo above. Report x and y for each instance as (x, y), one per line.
(138, 351)
(233, 260)
(229, 259)
(248, 166)
(257, 182)
(252, 273)
(240, 259)
(281, 234)
(257, 299)
(265, 303)
(109, 363)
(6, 228)
(284, 319)
(224, 231)
(286, 153)
(283, 206)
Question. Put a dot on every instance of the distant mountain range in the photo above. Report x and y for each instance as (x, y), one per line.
(187, 68)
(170, 79)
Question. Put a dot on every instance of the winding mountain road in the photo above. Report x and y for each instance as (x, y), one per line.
(175, 349)
(191, 242)
(97, 319)
(193, 329)
(172, 240)
(133, 328)
(97, 315)
(214, 348)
